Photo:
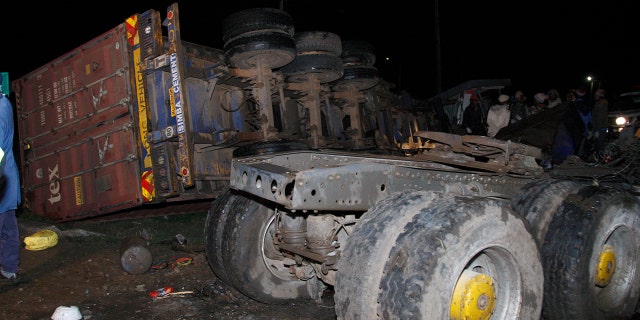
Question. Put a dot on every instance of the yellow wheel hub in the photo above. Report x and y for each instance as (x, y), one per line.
(474, 297)
(606, 266)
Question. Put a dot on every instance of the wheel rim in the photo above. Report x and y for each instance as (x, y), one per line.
(489, 275)
(606, 266)
(273, 259)
(473, 297)
(613, 267)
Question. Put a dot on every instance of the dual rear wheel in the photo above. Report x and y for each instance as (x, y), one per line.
(590, 243)
(423, 255)
(426, 255)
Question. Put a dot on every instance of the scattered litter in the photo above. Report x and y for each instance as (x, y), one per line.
(76, 233)
(171, 263)
(66, 313)
(182, 240)
(177, 293)
(40, 240)
(183, 261)
(160, 292)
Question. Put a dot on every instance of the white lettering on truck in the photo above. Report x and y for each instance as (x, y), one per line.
(54, 185)
(173, 61)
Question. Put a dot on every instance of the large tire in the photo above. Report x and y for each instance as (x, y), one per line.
(256, 19)
(358, 52)
(539, 200)
(596, 227)
(253, 263)
(318, 42)
(221, 208)
(358, 77)
(404, 259)
(361, 264)
(271, 49)
(323, 66)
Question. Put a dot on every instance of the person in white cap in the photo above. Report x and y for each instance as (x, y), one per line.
(540, 103)
(499, 115)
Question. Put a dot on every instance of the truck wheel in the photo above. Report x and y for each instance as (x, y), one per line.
(323, 66)
(256, 20)
(358, 52)
(318, 41)
(224, 205)
(591, 258)
(271, 49)
(538, 202)
(440, 258)
(253, 264)
(358, 77)
(362, 261)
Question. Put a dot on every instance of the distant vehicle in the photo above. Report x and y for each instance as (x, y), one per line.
(623, 112)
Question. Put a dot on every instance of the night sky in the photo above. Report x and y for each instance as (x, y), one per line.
(539, 45)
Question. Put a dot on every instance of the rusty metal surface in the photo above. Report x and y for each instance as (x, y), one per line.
(76, 132)
(81, 88)
(326, 180)
(155, 210)
(102, 128)
(89, 174)
(501, 156)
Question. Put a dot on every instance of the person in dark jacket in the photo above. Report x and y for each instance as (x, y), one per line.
(574, 130)
(473, 118)
(600, 117)
(10, 195)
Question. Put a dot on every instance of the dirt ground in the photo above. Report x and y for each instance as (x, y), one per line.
(84, 269)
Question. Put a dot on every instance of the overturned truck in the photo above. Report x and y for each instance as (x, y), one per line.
(297, 140)
(138, 118)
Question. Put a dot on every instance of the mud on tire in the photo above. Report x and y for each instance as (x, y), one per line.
(590, 256)
(538, 202)
(242, 247)
(404, 259)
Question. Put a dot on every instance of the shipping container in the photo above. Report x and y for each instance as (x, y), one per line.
(134, 116)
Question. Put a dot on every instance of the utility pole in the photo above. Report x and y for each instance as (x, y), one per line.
(438, 57)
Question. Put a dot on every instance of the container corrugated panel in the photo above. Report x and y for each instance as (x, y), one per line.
(78, 133)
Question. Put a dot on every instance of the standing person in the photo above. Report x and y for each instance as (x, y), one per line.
(10, 196)
(499, 115)
(554, 98)
(571, 96)
(519, 108)
(582, 132)
(540, 103)
(573, 130)
(599, 119)
(473, 118)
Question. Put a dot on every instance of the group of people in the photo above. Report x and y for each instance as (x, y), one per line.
(582, 129)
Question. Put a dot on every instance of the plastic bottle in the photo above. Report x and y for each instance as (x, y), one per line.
(161, 292)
